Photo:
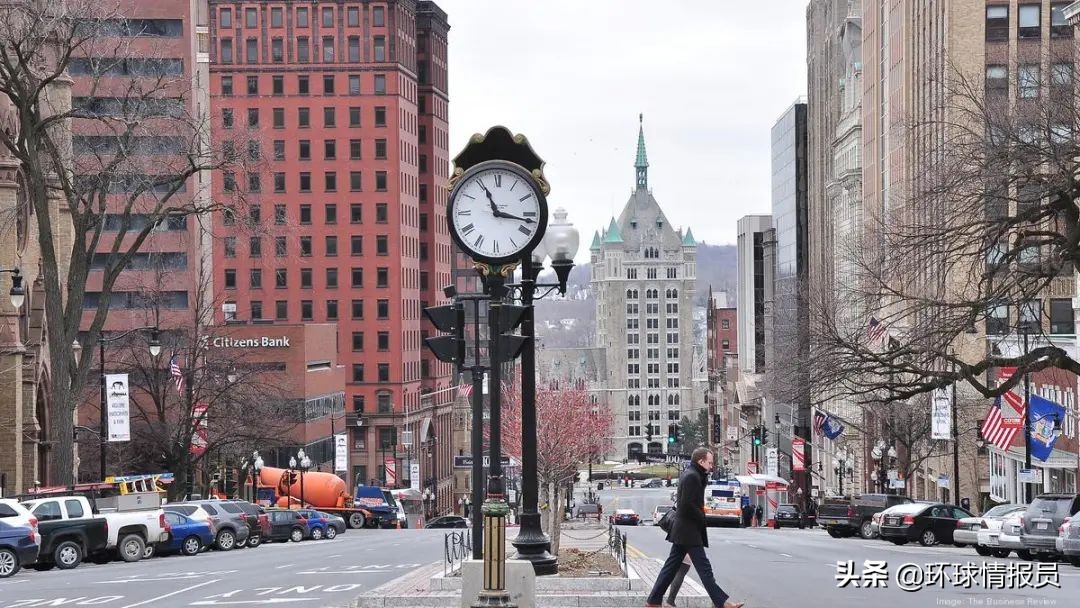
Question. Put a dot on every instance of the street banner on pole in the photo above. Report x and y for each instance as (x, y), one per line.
(772, 460)
(751, 468)
(798, 454)
(941, 413)
(414, 476)
(391, 471)
(341, 453)
(198, 423)
(118, 407)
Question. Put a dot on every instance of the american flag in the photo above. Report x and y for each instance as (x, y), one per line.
(876, 331)
(998, 429)
(465, 390)
(176, 372)
(819, 421)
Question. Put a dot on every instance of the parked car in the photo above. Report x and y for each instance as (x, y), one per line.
(318, 527)
(653, 483)
(448, 521)
(135, 523)
(968, 529)
(625, 517)
(930, 524)
(789, 515)
(258, 523)
(1008, 539)
(1042, 519)
(286, 525)
(245, 513)
(69, 532)
(1070, 540)
(187, 536)
(13, 513)
(19, 544)
(229, 528)
(658, 513)
(335, 524)
(842, 519)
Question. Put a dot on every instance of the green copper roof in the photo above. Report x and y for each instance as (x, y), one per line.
(613, 235)
(641, 163)
(688, 240)
(595, 242)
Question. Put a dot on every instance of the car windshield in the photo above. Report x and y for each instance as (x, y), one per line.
(1051, 506)
(1002, 510)
(786, 508)
(664, 508)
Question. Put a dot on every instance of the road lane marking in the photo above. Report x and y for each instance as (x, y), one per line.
(172, 593)
(269, 600)
(785, 555)
(283, 566)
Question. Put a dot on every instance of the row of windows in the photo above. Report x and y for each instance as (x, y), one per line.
(1028, 79)
(281, 310)
(330, 181)
(652, 308)
(635, 383)
(304, 48)
(303, 85)
(652, 400)
(281, 278)
(633, 322)
(634, 369)
(1028, 21)
(1030, 316)
(653, 338)
(303, 149)
(330, 214)
(654, 415)
(330, 249)
(651, 353)
(653, 273)
(303, 117)
(358, 372)
(652, 294)
(276, 16)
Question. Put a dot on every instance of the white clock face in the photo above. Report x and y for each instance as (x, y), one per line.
(496, 213)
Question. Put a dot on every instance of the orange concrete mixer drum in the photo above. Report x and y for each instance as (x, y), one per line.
(321, 490)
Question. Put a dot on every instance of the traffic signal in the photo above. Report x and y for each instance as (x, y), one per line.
(764, 435)
(678, 433)
(510, 345)
(756, 434)
(449, 319)
(648, 432)
(671, 434)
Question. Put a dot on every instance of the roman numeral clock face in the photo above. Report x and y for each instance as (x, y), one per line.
(496, 212)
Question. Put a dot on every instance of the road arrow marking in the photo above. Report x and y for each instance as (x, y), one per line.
(269, 600)
(177, 592)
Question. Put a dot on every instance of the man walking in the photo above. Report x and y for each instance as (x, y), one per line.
(688, 534)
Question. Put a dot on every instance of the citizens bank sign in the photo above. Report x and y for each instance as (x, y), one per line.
(259, 342)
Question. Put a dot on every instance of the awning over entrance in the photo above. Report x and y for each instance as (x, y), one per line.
(760, 480)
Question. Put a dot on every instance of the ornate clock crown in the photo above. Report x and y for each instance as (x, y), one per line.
(499, 144)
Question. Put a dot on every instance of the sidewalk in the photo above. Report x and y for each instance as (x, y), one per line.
(427, 588)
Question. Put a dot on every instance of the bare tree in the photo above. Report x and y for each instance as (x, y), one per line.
(97, 197)
(985, 224)
(237, 399)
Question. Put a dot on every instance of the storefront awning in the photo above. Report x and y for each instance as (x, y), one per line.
(759, 480)
(1059, 459)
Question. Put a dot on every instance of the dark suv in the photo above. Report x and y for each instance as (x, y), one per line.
(1040, 523)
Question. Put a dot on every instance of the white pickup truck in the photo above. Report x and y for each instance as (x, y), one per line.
(136, 522)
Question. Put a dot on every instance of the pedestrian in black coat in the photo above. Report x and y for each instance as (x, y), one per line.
(688, 534)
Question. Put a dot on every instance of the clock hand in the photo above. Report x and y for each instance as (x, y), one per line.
(491, 201)
(527, 220)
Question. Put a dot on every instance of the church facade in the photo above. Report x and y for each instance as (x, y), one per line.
(643, 278)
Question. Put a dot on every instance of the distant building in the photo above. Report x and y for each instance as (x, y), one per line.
(644, 275)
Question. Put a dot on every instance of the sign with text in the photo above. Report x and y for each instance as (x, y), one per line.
(465, 462)
(798, 454)
(198, 423)
(257, 342)
(772, 461)
(1029, 476)
(341, 452)
(414, 475)
(391, 471)
(118, 407)
(941, 413)
(732, 434)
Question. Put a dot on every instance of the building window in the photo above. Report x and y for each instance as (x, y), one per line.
(358, 372)
(227, 118)
(256, 311)
(357, 277)
(1031, 316)
(226, 86)
(225, 17)
(383, 309)
(255, 278)
(281, 278)
(307, 310)
(381, 213)
(1059, 25)
(329, 117)
(255, 246)
(354, 49)
(423, 193)
(356, 213)
(281, 310)
(226, 50)
(354, 84)
(378, 16)
(725, 324)
(354, 149)
(1061, 76)
(354, 117)
(331, 310)
(330, 149)
(305, 214)
(358, 341)
(355, 181)
(331, 278)
(276, 17)
(279, 154)
(382, 277)
(1028, 81)
(997, 79)
(302, 18)
(304, 146)
(281, 246)
(380, 84)
(384, 340)
(305, 181)
(1061, 316)
(305, 246)
(353, 13)
(303, 85)
(277, 55)
(380, 55)
(380, 149)
(230, 246)
(382, 245)
(328, 49)
(328, 84)
(380, 116)
(303, 118)
(251, 18)
(303, 50)
(384, 372)
(380, 181)
(279, 118)
(279, 178)
(253, 87)
(1029, 21)
(327, 17)
(251, 53)
(230, 278)
(997, 22)
(279, 215)
(330, 181)
(421, 134)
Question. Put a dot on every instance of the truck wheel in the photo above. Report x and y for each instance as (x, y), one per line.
(356, 521)
(131, 547)
(1023, 554)
(331, 533)
(296, 535)
(68, 555)
(191, 545)
(833, 532)
(983, 551)
(1001, 552)
(866, 530)
(9, 563)
(254, 541)
(226, 540)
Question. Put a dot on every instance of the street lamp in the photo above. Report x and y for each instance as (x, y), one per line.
(305, 464)
(560, 243)
(18, 292)
(256, 466)
(292, 467)
(428, 498)
(155, 350)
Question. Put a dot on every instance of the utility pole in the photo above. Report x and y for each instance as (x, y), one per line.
(1027, 418)
(955, 446)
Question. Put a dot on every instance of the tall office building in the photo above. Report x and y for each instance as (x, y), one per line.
(644, 276)
(345, 104)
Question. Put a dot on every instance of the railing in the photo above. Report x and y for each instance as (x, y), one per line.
(617, 545)
(457, 547)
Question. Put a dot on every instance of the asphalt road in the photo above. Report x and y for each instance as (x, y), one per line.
(309, 573)
(790, 567)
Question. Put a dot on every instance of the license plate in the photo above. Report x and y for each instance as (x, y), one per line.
(1044, 526)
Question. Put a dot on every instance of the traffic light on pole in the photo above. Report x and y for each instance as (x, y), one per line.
(449, 319)
(510, 344)
(671, 434)
(764, 434)
(648, 432)
(756, 434)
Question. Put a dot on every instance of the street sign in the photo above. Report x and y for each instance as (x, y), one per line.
(943, 481)
(772, 458)
(465, 462)
(732, 434)
(1029, 476)
(897, 484)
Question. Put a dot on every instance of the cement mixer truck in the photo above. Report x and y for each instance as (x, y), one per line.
(367, 508)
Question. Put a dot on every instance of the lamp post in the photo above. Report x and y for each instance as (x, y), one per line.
(427, 503)
(292, 467)
(561, 244)
(256, 466)
(1024, 328)
(305, 464)
(155, 350)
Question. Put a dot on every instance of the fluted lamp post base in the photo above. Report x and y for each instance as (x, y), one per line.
(534, 546)
(494, 594)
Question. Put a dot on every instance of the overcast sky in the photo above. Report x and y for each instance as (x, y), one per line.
(710, 76)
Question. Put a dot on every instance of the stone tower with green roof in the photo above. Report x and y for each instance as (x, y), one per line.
(643, 278)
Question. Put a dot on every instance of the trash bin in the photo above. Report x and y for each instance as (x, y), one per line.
(600, 486)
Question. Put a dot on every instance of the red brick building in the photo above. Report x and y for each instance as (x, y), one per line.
(342, 107)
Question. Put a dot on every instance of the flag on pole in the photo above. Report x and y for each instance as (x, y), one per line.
(819, 420)
(176, 372)
(1003, 421)
(831, 427)
(465, 390)
(876, 331)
